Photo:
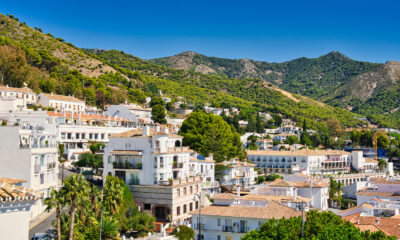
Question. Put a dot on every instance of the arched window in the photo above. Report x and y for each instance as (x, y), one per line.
(157, 144)
(177, 143)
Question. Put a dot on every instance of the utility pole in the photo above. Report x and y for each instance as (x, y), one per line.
(101, 212)
(302, 219)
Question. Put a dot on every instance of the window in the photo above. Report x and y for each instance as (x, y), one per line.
(184, 208)
(219, 221)
(102, 136)
(69, 135)
(147, 206)
(77, 135)
(184, 191)
(191, 207)
(178, 192)
(90, 135)
(96, 136)
(197, 204)
(161, 176)
(157, 144)
(42, 178)
(178, 211)
(218, 237)
(155, 162)
(191, 189)
(83, 136)
(197, 188)
(62, 135)
(161, 162)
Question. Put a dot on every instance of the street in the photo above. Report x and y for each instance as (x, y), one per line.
(43, 226)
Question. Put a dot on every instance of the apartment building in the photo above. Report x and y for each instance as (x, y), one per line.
(153, 162)
(78, 131)
(237, 173)
(205, 168)
(305, 161)
(29, 151)
(27, 96)
(231, 218)
(61, 102)
(384, 188)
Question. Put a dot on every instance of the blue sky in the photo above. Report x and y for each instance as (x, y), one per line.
(273, 31)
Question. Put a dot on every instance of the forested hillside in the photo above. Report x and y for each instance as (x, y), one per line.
(212, 87)
(367, 88)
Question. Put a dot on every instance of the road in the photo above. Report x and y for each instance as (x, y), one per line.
(43, 226)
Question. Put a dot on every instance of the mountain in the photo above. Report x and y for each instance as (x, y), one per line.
(221, 90)
(335, 79)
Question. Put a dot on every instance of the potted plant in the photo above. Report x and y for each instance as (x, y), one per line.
(139, 165)
(114, 164)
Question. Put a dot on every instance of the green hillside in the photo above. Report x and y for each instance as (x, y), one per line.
(264, 96)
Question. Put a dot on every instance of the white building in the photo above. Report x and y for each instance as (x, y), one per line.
(156, 167)
(305, 161)
(132, 112)
(61, 103)
(29, 151)
(281, 137)
(264, 144)
(78, 131)
(15, 205)
(25, 94)
(205, 168)
(383, 188)
(231, 218)
(237, 173)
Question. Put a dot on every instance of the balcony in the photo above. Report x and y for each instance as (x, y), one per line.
(127, 165)
(227, 228)
(51, 165)
(198, 226)
(243, 229)
(177, 165)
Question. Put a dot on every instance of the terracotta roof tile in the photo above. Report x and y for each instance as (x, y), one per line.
(272, 210)
(61, 98)
(21, 90)
(11, 193)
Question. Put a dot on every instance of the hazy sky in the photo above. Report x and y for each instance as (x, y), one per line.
(272, 31)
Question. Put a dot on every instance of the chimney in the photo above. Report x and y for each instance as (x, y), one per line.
(211, 156)
(145, 130)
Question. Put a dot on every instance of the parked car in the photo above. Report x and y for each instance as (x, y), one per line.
(41, 236)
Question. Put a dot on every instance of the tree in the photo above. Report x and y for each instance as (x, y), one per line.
(158, 114)
(335, 127)
(100, 98)
(366, 139)
(55, 200)
(183, 232)
(259, 124)
(169, 106)
(382, 164)
(383, 141)
(209, 133)
(113, 194)
(292, 140)
(319, 226)
(277, 120)
(75, 189)
(137, 95)
(156, 100)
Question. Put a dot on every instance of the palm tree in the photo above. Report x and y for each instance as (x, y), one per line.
(75, 189)
(113, 194)
(55, 200)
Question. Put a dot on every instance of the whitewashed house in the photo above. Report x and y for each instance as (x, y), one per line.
(205, 168)
(155, 165)
(237, 173)
(27, 96)
(383, 188)
(61, 103)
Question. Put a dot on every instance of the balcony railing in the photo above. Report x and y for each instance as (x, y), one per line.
(127, 165)
(198, 226)
(177, 165)
(227, 228)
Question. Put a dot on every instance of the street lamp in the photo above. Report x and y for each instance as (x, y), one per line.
(198, 195)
